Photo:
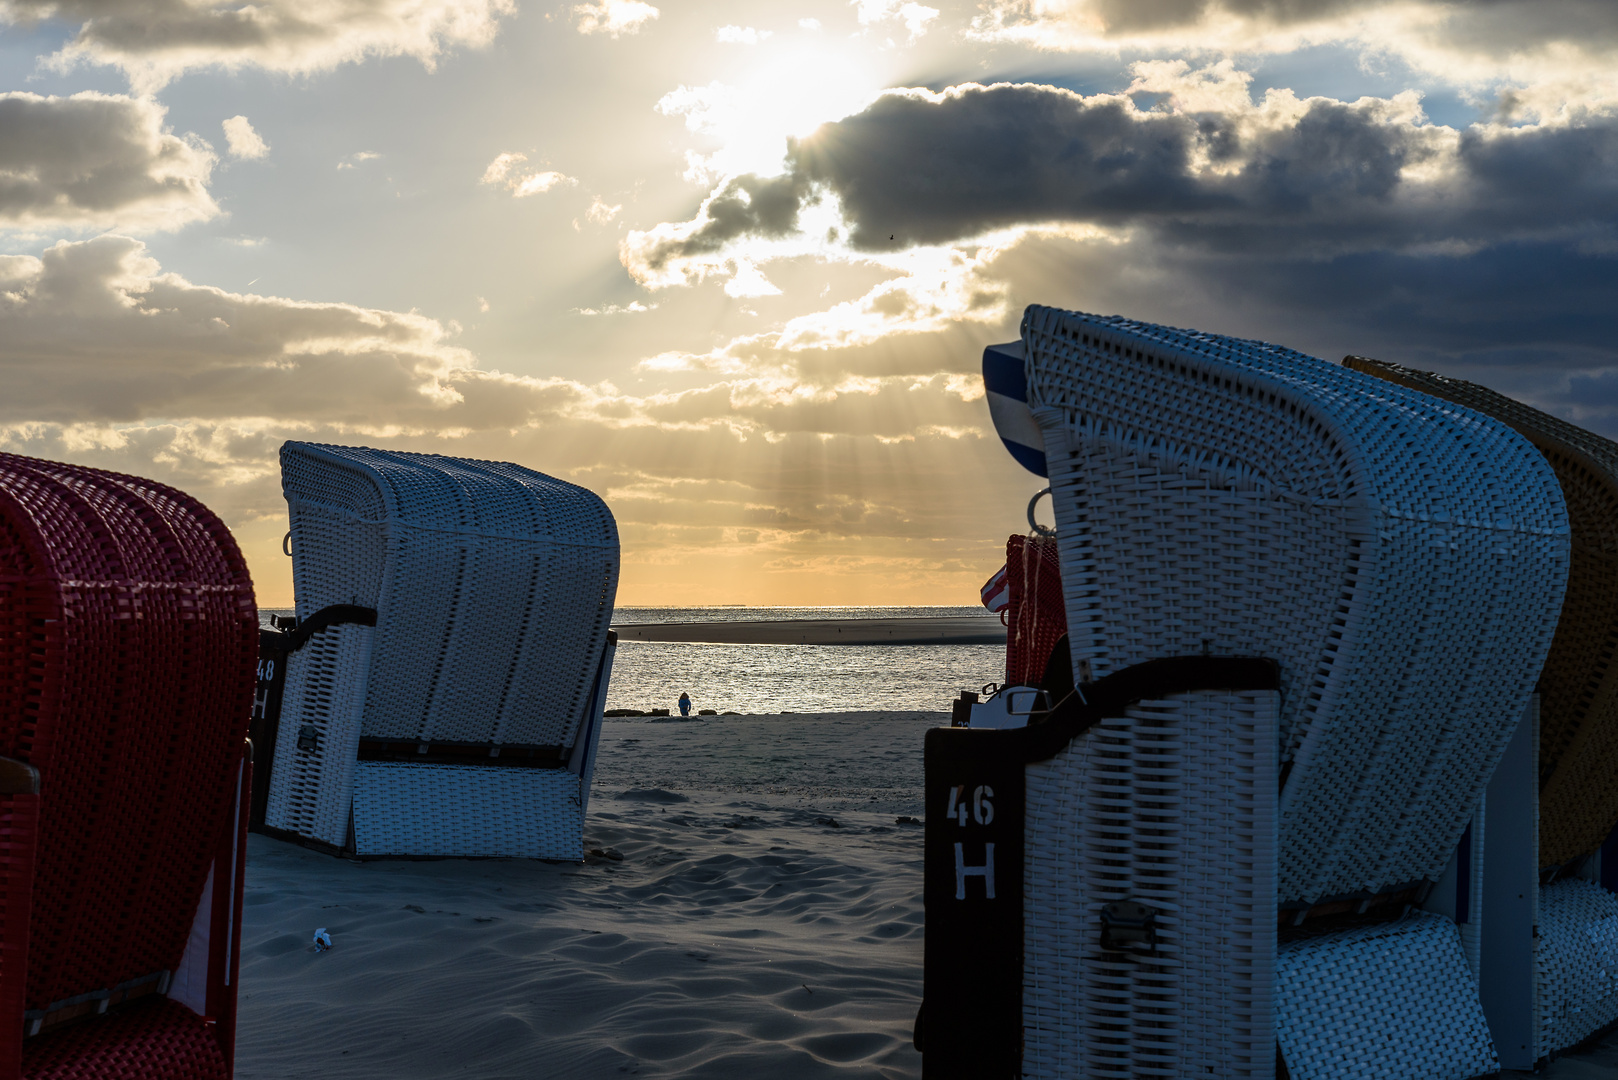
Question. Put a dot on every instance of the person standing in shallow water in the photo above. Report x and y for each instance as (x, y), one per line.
(685, 703)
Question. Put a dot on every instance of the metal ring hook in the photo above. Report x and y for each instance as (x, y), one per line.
(286, 542)
(1038, 529)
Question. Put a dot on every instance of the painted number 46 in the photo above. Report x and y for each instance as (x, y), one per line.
(982, 809)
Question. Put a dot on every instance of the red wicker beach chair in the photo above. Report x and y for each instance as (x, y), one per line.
(128, 636)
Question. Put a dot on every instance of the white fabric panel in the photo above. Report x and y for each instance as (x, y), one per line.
(189, 983)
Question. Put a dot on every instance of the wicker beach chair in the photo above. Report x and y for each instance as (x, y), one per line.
(1578, 733)
(447, 695)
(1401, 565)
(127, 638)
(1578, 744)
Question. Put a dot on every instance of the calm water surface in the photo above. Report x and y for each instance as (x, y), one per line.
(792, 678)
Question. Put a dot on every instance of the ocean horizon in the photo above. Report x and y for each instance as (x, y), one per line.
(799, 679)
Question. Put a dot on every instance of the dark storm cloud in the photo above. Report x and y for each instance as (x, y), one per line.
(746, 206)
(1485, 24)
(1321, 178)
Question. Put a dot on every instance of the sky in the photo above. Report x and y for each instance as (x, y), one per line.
(732, 265)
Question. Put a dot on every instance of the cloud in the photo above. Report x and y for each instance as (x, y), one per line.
(600, 211)
(613, 17)
(95, 332)
(1517, 40)
(154, 41)
(914, 16)
(111, 361)
(244, 142)
(98, 161)
(1207, 167)
(506, 171)
(740, 35)
(355, 160)
(669, 253)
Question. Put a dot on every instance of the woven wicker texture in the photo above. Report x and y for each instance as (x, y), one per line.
(1578, 747)
(19, 838)
(1172, 805)
(403, 808)
(311, 791)
(493, 586)
(1402, 560)
(1576, 956)
(1386, 1002)
(152, 1040)
(128, 636)
(1035, 616)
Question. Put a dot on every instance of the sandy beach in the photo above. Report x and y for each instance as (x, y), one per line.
(742, 933)
(758, 913)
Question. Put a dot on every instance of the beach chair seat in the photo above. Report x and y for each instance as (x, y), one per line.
(1578, 719)
(1576, 960)
(452, 704)
(1383, 1001)
(1399, 564)
(127, 638)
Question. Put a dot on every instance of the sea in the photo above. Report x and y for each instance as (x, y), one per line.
(754, 679)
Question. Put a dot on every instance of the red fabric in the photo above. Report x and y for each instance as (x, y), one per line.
(155, 1039)
(128, 637)
(1036, 618)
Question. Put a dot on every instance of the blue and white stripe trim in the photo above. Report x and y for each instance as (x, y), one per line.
(1005, 384)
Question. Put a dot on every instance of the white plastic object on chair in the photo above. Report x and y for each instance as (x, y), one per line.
(1010, 707)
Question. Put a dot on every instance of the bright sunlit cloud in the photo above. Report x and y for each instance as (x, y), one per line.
(507, 171)
(243, 141)
(796, 85)
(613, 17)
(740, 35)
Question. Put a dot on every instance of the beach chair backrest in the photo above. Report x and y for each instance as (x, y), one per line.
(1578, 747)
(1402, 560)
(128, 634)
(493, 586)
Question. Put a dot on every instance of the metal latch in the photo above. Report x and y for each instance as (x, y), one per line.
(1127, 925)
(307, 737)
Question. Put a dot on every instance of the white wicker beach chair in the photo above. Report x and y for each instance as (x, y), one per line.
(465, 721)
(1401, 563)
(1569, 787)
